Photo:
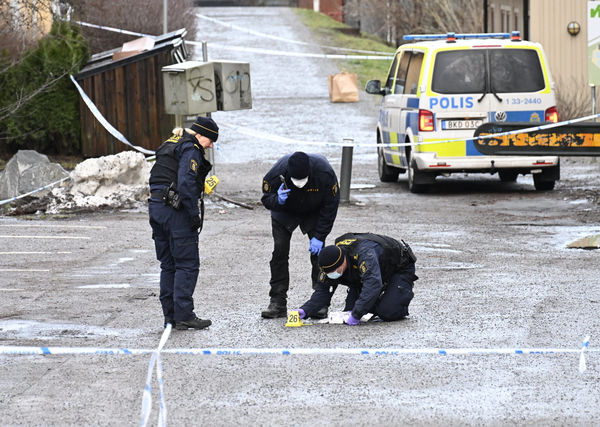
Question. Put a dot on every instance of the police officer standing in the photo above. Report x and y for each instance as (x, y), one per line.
(176, 186)
(378, 270)
(300, 190)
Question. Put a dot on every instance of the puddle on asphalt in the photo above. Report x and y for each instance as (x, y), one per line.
(105, 286)
(454, 266)
(30, 329)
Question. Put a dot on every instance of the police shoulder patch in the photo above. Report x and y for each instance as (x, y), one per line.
(322, 276)
(334, 189)
(174, 138)
(266, 186)
(345, 242)
(363, 268)
(194, 166)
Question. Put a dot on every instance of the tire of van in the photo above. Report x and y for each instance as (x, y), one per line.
(507, 175)
(541, 185)
(546, 180)
(413, 175)
(386, 173)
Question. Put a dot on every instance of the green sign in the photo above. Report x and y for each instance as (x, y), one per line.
(594, 42)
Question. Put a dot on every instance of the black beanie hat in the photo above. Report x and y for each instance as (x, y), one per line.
(207, 127)
(298, 166)
(330, 258)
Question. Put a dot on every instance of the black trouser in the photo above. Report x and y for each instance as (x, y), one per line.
(393, 302)
(280, 274)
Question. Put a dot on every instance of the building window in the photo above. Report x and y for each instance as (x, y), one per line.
(517, 24)
(491, 20)
(505, 21)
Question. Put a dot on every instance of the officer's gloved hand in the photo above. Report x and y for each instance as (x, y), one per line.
(351, 320)
(315, 246)
(282, 194)
(301, 313)
(195, 222)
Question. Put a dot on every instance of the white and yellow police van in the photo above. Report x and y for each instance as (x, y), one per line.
(442, 87)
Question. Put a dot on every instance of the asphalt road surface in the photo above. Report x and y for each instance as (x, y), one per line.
(494, 273)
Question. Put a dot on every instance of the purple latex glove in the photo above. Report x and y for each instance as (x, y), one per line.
(315, 246)
(301, 313)
(352, 321)
(282, 194)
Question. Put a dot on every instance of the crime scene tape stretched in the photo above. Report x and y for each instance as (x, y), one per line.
(581, 139)
(147, 396)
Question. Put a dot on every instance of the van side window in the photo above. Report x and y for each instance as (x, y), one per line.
(414, 71)
(401, 76)
(389, 84)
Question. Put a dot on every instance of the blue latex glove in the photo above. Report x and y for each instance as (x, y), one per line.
(352, 321)
(301, 313)
(315, 246)
(282, 194)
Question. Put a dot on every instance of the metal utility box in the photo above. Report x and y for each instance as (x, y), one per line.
(189, 88)
(232, 80)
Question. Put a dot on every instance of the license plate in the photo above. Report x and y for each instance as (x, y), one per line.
(461, 124)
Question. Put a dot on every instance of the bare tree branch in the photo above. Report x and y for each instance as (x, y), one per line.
(22, 100)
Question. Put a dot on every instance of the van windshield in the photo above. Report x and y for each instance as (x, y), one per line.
(467, 71)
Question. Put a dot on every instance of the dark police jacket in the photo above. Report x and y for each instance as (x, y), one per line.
(180, 160)
(372, 259)
(313, 207)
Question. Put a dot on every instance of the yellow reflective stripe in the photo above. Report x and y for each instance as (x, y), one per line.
(204, 127)
(446, 149)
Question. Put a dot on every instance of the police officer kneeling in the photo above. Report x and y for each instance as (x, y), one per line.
(378, 270)
(176, 186)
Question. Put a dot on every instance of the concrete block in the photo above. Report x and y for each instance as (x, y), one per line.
(26, 171)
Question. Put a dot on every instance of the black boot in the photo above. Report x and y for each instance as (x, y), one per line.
(195, 323)
(321, 314)
(275, 310)
(170, 320)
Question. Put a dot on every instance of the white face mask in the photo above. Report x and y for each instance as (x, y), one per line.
(299, 182)
(334, 275)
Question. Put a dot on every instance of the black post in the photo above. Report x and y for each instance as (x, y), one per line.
(346, 171)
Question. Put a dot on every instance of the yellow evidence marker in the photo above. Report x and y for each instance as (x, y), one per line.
(210, 183)
(294, 320)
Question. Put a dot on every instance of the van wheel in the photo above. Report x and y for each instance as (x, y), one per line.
(386, 173)
(413, 175)
(507, 175)
(542, 185)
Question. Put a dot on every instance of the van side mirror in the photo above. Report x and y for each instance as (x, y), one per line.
(374, 87)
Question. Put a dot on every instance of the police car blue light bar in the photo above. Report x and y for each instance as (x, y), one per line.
(515, 35)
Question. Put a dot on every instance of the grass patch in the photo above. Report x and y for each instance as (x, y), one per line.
(329, 32)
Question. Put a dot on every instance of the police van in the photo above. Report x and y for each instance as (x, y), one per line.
(440, 88)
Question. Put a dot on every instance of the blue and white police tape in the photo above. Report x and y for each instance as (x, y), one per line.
(288, 53)
(232, 351)
(269, 36)
(110, 128)
(116, 30)
(20, 196)
(584, 347)
(248, 49)
(147, 396)
(281, 139)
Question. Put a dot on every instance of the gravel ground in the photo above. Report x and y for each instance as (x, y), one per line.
(493, 267)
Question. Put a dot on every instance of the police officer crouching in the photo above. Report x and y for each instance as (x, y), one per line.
(379, 272)
(176, 186)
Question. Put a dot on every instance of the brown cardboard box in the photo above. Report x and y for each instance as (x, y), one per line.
(133, 48)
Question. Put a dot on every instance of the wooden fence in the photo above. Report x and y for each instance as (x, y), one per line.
(129, 94)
